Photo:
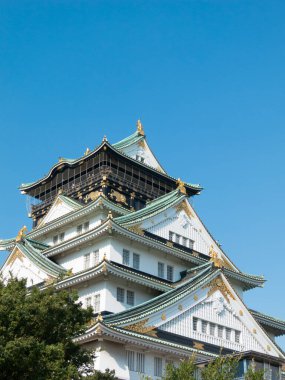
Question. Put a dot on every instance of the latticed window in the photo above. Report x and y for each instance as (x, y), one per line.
(228, 334)
(120, 294)
(86, 226)
(212, 329)
(195, 324)
(88, 301)
(136, 261)
(79, 229)
(204, 327)
(220, 331)
(131, 360)
(96, 257)
(61, 237)
(55, 239)
(130, 298)
(237, 336)
(97, 303)
(160, 270)
(140, 367)
(87, 261)
(171, 235)
(157, 366)
(169, 273)
(191, 243)
(126, 257)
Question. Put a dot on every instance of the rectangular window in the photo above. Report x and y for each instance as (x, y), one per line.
(139, 158)
(204, 327)
(130, 298)
(97, 303)
(195, 324)
(212, 329)
(220, 331)
(136, 261)
(169, 273)
(86, 226)
(237, 336)
(185, 241)
(79, 229)
(191, 243)
(140, 363)
(87, 261)
(177, 239)
(55, 239)
(158, 367)
(160, 270)
(126, 257)
(171, 236)
(61, 237)
(228, 334)
(131, 360)
(88, 301)
(96, 257)
(120, 295)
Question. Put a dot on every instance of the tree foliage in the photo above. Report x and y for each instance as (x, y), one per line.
(185, 370)
(36, 331)
(221, 368)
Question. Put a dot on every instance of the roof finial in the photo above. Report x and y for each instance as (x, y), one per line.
(21, 233)
(218, 262)
(105, 138)
(140, 128)
(181, 186)
(110, 215)
(87, 151)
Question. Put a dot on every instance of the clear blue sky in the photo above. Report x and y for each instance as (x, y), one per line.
(206, 78)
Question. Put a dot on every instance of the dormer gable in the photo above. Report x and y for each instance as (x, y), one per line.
(136, 147)
(61, 206)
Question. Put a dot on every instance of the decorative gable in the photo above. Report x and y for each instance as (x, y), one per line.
(61, 206)
(20, 266)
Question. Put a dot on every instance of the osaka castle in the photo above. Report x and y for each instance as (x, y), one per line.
(115, 226)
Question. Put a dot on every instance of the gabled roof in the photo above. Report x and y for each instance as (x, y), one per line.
(152, 208)
(130, 140)
(33, 251)
(276, 325)
(207, 280)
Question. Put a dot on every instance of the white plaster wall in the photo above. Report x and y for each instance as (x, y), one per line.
(75, 259)
(149, 258)
(70, 230)
(144, 152)
(90, 291)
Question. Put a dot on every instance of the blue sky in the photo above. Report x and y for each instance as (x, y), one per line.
(206, 78)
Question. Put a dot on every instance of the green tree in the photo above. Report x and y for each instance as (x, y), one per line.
(253, 374)
(36, 331)
(185, 370)
(221, 368)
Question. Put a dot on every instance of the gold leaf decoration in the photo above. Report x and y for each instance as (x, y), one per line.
(218, 262)
(218, 284)
(21, 234)
(136, 229)
(118, 197)
(198, 346)
(140, 327)
(181, 186)
(184, 207)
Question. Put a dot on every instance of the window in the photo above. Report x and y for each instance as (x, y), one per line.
(126, 257)
(228, 334)
(212, 329)
(204, 327)
(177, 239)
(131, 360)
(82, 228)
(140, 362)
(97, 303)
(171, 236)
(87, 261)
(157, 367)
(88, 301)
(136, 261)
(191, 243)
(130, 297)
(96, 257)
(185, 241)
(58, 238)
(220, 331)
(237, 336)
(120, 295)
(195, 324)
(136, 361)
(160, 270)
(169, 273)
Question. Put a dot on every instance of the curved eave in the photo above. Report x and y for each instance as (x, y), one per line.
(77, 214)
(248, 281)
(277, 325)
(25, 188)
(7, 244)
(106, 267)
(100, 330)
